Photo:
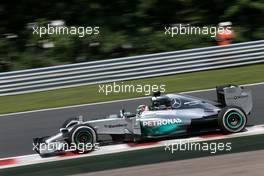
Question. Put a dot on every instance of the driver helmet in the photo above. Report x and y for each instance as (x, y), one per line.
(142, 108)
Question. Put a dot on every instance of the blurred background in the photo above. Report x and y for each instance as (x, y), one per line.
(126, 28)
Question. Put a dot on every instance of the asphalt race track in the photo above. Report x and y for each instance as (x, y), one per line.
(239, 164)
(17, 131)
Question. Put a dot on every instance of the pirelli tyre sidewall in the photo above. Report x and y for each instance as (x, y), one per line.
(232, 120)
(83, 134)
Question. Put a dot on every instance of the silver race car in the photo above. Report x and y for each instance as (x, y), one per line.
(168, 116)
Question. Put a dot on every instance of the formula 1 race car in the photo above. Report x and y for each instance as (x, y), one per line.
(168, 116)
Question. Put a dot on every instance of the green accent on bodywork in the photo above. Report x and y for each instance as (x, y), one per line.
(232, 126)
(160, 130)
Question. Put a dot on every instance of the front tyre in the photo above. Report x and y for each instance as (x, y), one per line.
(232, 120)
(84, 137)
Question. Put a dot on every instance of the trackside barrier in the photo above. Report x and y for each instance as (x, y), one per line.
(127, 68)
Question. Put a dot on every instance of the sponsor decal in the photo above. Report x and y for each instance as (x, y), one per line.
(160, 122)
(115, 126)
(238, 97)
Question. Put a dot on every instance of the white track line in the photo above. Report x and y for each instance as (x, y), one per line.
(113, 101)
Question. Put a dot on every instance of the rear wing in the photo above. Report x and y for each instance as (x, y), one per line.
(233, 95)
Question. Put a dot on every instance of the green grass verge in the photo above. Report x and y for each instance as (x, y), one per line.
(132, 158)
(90, 94)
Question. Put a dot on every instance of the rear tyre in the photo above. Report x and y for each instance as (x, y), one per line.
(232, 120)
(84, 137)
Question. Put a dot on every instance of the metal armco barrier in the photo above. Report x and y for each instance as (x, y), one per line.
(160, 64)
